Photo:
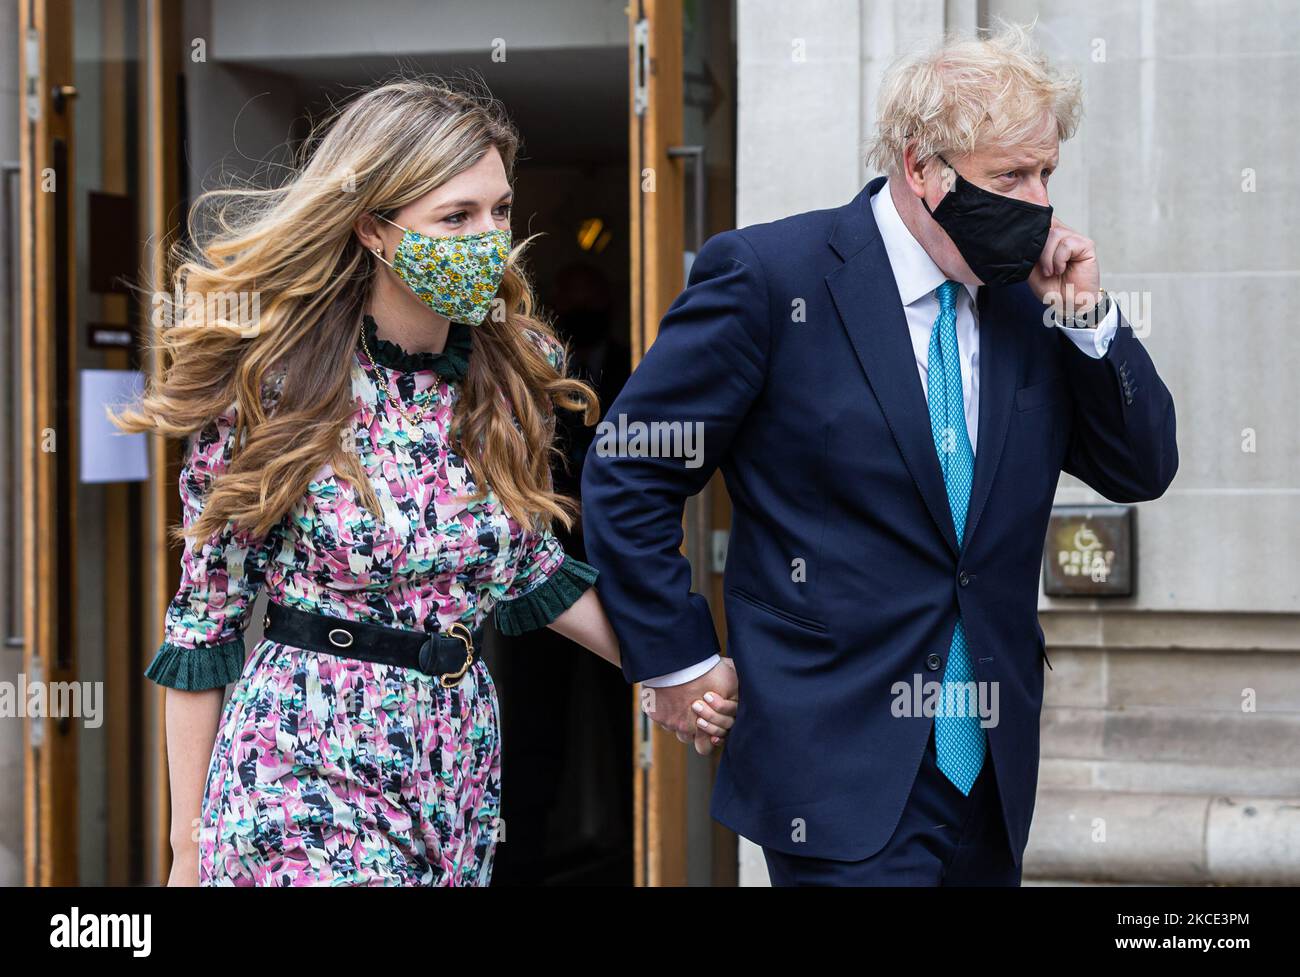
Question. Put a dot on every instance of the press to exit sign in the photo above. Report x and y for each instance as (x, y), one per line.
(1089, 551)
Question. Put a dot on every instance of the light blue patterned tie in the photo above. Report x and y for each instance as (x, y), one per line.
(959, 738)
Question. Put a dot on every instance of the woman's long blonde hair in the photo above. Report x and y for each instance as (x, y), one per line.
(294, 250)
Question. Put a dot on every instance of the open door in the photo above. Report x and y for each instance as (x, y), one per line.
(161, 206)
(47, 445)
(97, 180)
(682, 189)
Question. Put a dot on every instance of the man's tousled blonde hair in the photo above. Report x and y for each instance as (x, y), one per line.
(993, 89)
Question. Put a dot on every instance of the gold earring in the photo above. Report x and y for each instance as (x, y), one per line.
(379, 253)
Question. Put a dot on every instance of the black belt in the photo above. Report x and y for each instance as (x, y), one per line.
(446, 655)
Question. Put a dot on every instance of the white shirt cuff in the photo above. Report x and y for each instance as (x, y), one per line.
(1095, 341)
(682, 675)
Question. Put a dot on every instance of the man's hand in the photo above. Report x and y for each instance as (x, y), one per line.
(1067, 275)
(674, 707)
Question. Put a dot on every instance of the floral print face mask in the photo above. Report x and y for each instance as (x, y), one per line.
(456, 276)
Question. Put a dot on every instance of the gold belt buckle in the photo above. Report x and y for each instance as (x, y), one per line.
(459, 630)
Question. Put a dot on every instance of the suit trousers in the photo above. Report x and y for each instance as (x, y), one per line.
(943, 838)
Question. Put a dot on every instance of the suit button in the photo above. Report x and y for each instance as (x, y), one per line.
(932, 662)
(963, 578)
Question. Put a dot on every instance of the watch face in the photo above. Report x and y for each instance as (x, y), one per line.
(1091, 318)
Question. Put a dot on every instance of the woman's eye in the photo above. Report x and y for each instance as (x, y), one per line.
(504, 210)
(457, 218)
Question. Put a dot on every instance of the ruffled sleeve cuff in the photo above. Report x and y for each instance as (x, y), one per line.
(548, 600)
(196, 669)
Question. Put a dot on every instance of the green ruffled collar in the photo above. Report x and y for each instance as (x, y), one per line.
(451, 364)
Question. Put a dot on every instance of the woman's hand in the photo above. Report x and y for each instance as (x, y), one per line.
(714, 714)
(585, 622)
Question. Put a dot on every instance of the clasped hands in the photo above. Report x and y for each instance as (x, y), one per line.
(702, 710)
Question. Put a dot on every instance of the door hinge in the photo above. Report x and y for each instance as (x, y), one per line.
(646, 754)
(641, 62)
(721, 537)
(32, 79)
(37, 722)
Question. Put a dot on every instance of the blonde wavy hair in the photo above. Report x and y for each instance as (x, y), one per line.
(969, 91)
(288, 374)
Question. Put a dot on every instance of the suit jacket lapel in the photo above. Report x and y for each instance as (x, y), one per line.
(866, 297)
(999, 365)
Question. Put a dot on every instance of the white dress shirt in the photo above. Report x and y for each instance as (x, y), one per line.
(918, 277)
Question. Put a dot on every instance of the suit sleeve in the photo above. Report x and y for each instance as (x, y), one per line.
(1123, 442)
(694, 388)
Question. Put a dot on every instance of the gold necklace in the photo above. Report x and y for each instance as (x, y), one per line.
(415, 420)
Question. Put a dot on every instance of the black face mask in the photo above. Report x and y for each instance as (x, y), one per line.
(1000, 237)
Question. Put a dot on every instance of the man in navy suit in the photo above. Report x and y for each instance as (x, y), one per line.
(891, 389)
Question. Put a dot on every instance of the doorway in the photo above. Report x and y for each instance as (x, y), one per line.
(146, 103)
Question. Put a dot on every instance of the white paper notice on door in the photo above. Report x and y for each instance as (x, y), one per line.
(108, 454)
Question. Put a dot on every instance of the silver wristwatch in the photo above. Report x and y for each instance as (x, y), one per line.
(1091, 318)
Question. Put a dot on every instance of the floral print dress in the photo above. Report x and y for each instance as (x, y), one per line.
(329, 770)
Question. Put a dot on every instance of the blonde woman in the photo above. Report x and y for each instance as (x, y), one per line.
(374, 450)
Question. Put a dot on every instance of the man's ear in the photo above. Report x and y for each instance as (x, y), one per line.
(914, 170)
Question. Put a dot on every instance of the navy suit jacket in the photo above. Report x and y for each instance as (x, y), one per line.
(789, 347)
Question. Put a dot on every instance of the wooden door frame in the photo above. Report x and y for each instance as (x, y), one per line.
(49, 341)
(657, 196)
(50, 837)
(160, 46)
